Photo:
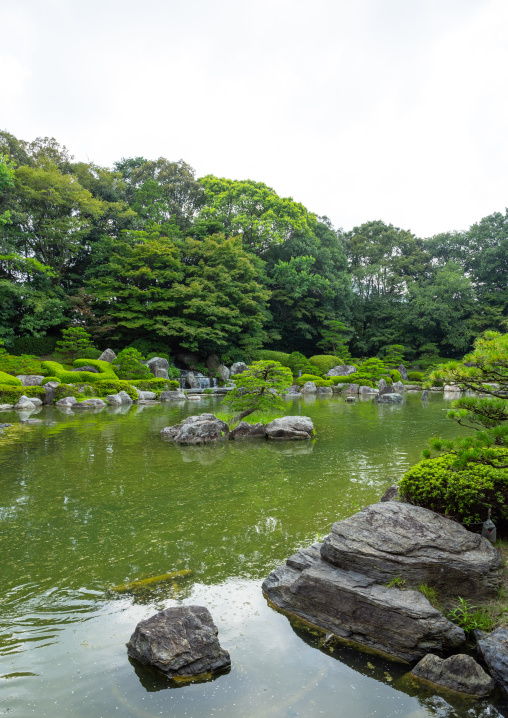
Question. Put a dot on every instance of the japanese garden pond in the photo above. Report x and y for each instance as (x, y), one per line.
(91, 501)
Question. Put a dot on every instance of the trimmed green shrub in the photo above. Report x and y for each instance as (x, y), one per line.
(129, 366)
(415, 375)
(9, 379)
(341, 379)
(81, 391)
(104, 367)
(156, 384)
(50, 378)
(103, 387)
(90, 353)
(269, 355)
(464, 494)
(325, 362)
(36, 346)
(10, 394)
(318, 381)
(25, 364)
(396, 375)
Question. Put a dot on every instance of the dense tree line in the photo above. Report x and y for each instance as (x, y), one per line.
(144, 253)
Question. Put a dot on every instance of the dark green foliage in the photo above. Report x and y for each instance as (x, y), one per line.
(156, 385)
(50, 378)
(269, 355)
(10, 394)
(336, 336)
(37, 346)
(396, 375)
(470, 617)
(128, 365)
(80, 391)
(465, 493)
(324, 362)
(318, 381)
(393, 355)
(90, 353)
(74, 341)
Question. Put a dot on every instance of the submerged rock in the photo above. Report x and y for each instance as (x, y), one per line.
(459, 673)
(352, 606)
(200, 429)
(245, 430)
(394, 539)
(392, 398)
(180, 641)
(494, 651)
(290, 427)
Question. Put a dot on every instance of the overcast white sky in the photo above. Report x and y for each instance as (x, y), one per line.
(361, 109)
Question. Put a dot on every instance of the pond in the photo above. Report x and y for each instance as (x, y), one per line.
(92, 501)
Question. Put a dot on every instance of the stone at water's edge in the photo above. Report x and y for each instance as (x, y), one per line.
(90, 404)
(245, 430)
(67, 401)
(290, 427)
(494, 651)
(180, 641)
(24, 404)
(393, 398)
(201, 429)
(108, 355)
(459, 673)
(309, 388)
(172, 396)
(400, 624)
(120, 399)
(399, 387)
(326, 390)
(394, 539)
(385, 388)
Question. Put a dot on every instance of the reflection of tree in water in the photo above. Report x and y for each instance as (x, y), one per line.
(397, 676)
(154, 680)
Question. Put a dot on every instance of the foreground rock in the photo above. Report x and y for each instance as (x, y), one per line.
(24, 404)
(494, 651)
(400, 624)
(459, 673)
(394, 539)
(248, 431)
(201, 429)
(180, 641)
(290, 427)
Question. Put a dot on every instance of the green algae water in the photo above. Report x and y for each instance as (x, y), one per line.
(91, 502)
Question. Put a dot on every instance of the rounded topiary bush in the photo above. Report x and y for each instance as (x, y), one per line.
(325, 362)
(50, 378)
(318, 381)
(415, 375)
(465, 494)
(396, 375)
(269, 355)
(9, 380)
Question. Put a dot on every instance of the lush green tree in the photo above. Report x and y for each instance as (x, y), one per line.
(335, 339)
(73, 341)
(129, 366)
(259, 388)
(485, 372)
(254, 211)
(393, 355)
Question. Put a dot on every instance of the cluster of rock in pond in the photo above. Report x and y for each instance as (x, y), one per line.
(350, 587)
(207, 428)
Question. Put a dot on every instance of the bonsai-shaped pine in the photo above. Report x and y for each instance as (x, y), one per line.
(335, 339)
(73, 341)
(393, 355)
(259, 389)
(129, 365)
(485, 371)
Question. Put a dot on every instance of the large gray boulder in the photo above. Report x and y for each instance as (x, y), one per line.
(120, 399)
(392, 398)
(494, 651)
(145, 395)
(224, 373)
(309, 388)
(50, 389)
(394, 539)
(352, 606)
(459, 673)
(24, 404)
(67, 401)
(238, 368)
(290, 427)
(172, 395)
(326, 390)
(191, 381)
(212, 363)
(31, 379)
(180, 641)
(342, 370)
(352, 388)
(399, 387)
(367, 390)
(108, 355)
(245, 430)
(200, 429)
(159, 367)
(94, 403)
(293, 390)
(385, 388)
(403, 372)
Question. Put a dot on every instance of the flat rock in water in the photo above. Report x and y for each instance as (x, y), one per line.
(392, 398)
(400, 624)
(459, 673)
(290, 427)
(200, 429)
(180, 641)
(244, 430)
(494, 651)
(394, 539)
